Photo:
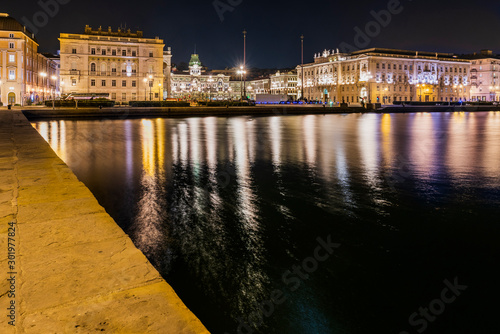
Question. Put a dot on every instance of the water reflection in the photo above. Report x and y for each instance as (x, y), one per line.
(224, 206)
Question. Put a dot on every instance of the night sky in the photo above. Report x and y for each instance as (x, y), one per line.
(274, 28)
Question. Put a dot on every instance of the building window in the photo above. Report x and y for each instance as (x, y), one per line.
(156, 95)
(73, 51)
(103, 52)
(113, 52)
(12, 74)
(134, 96)
(124, 53)
(124, 83)
(134, 53)
(103, 83)
(124, 96)
(113, 83)
(92, 82)
(92, 51)
(12, 58)
(134, 83)
(151, 54)
(113, 96)
(11, 35)
(92, 67)
(11, 45)
(73, 82)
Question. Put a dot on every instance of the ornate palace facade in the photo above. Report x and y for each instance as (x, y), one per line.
(384, 76)
(121, 65)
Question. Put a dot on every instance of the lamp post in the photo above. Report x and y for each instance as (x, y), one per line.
(145, 93)
(241, 72)
(54, 78)
(244, 61)
(159, 92)
(302, 65)
(150, 87)
(43, 75)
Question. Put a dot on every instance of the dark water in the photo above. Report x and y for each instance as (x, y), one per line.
(235, 212)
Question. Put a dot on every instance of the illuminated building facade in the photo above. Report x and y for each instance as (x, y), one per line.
(384, 76)
(26, 76)
(284, 84)
(258, 86)
(197, 85)
(125, 65)
(485, 82)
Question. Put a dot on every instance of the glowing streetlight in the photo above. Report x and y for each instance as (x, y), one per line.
(241, 72)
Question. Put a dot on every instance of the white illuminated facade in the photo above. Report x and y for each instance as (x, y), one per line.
(485, 77)
(384, 76)
(284, 83)
(197, 85)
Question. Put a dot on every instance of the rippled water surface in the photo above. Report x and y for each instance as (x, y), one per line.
(235, 214)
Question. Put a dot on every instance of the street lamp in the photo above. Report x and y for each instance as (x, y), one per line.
(150, 87)
(43, 75)
(241, 72)
(145, 93)
(54, 78)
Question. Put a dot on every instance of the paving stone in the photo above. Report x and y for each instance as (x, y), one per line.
(105, 314)
(68, 232)
(55, 276)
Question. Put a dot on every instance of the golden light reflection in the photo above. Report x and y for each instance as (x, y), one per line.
(148, 147)
(385, 129)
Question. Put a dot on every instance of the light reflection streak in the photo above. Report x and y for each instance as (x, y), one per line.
(309, 127)
(275, 134)
(385, 129)
(367, 144)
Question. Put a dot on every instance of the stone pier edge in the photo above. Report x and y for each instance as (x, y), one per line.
(76, 271)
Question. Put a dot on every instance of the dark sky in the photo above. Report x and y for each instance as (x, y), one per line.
(274, 28)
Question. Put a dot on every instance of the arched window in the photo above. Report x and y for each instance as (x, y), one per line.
(104, 68)
(92, 67)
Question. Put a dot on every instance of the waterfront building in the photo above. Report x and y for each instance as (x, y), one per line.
(384, 76)
(196, 84)
(284, 83)
(258, 86)
(26, 76)
(485, 73)
(120, 65)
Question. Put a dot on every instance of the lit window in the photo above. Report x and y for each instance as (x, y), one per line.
(12, 74)
(73, 82)
(12, 58)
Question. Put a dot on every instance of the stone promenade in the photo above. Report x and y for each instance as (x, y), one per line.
(65, 265)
